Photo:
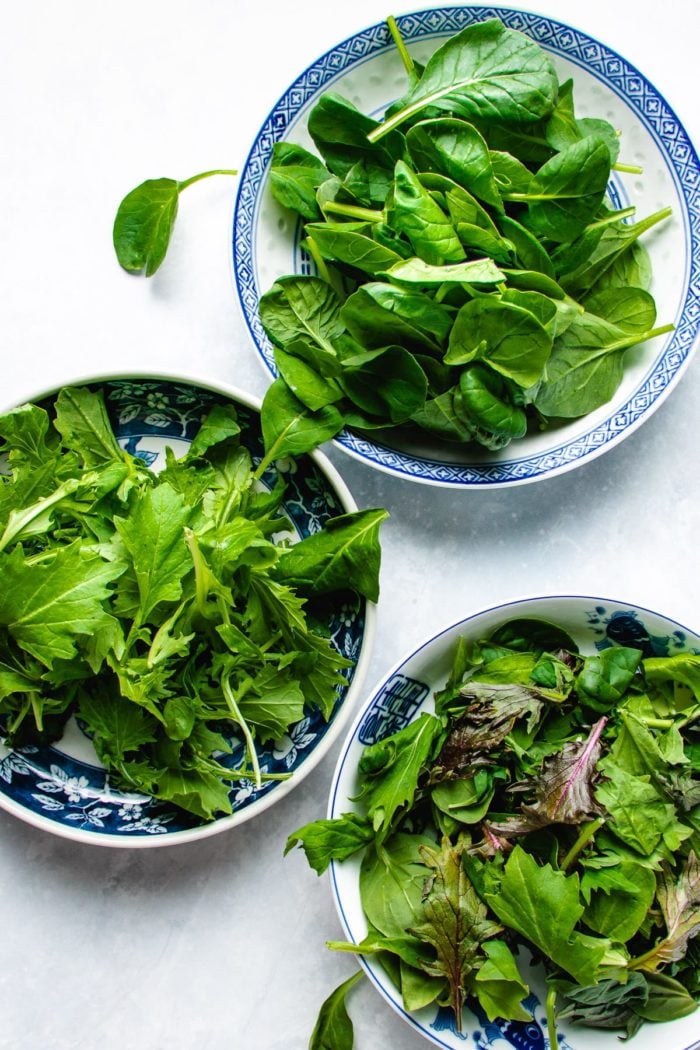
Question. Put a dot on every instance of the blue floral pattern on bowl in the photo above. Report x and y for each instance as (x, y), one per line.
(55, 787)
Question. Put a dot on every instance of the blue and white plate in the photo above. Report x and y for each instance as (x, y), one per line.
(594, 624)
(63, 788)
(367, 69)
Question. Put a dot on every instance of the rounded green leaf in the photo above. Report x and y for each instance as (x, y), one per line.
(143, 225)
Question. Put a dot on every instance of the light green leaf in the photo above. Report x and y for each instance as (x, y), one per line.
(333, 1029)
(544, 906)
(47, 606)
(154, 537)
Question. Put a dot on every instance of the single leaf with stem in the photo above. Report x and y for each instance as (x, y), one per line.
(144, 221)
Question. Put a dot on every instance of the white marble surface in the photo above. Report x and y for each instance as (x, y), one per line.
(220, 946)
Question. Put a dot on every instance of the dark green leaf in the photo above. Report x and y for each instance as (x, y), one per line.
(290, 428)
(295, 175)
(486, 71)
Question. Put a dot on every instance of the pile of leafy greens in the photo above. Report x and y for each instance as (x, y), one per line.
(165, 611)
(550, 803)
(474, 280)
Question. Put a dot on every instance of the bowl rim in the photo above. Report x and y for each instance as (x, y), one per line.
(596, 438)
(336, 804)
(344, 712)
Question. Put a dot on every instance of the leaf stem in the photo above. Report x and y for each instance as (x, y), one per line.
(657, 723)
(204, 175)
(408, 62)
(629, 169)
(584, 837)
(245, 728)
(319, 261)
(551, 1018)
(353, 211)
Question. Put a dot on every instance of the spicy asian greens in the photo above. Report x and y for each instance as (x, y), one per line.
(474, 279)
(550, 804)
(165, 611)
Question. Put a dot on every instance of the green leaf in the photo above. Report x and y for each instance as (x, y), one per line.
(199, 791)
(47, 607)
(341, 134)
(220, 424)
(668, 999)
(345, 554)
(606, 1004)
(305, 381)
(295, 175)
(331, 839)
(154, 536)
(486, 72)
(392, 881)
(508, 338)
(390, 769)
(640, 816)
(483, 404)
(82, 420)
(303, 308)
(618, 912)
(290, 428)
(455, 148)
(455, 922)
(388, 383)
(351, 243)
(415, 271)
(144, 222)
(498, 985)
(544, 906)
(26, 431)
(679, 900)
(333, 1029)
(273, 703)
(372, 316)
(143, 225)
(567, 191)
(116, 725)
(415, 213)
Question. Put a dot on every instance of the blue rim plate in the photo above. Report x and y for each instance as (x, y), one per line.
(407, 689)
(366, 68)
(63, 788)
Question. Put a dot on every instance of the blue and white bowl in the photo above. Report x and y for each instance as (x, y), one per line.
(367, 69)
(406, 691)
(63, 788)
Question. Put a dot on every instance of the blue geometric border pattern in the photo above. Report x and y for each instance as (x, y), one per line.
(615, 72)
(393, 708)
(46, 781)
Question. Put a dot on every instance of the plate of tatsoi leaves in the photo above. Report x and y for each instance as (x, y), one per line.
(513, 832)
(464, 243)
(184, 618)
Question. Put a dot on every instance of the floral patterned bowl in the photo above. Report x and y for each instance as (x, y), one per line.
(63, 788)
(594, 624)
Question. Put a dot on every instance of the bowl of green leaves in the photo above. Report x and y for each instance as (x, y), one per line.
(185, 620)
(513, 830)
(473, 271)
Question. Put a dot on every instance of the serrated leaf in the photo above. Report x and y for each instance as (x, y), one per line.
(544, 906)
(154, 537)
(47, 606)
